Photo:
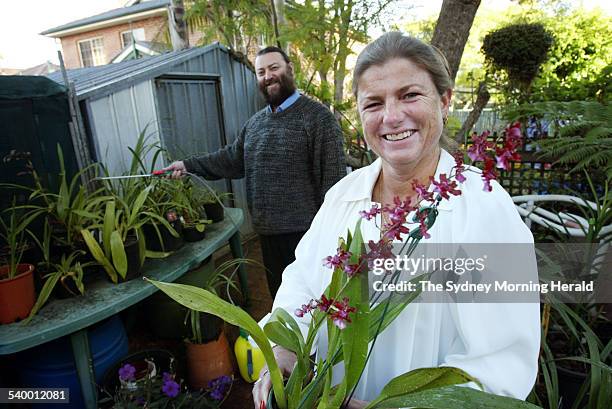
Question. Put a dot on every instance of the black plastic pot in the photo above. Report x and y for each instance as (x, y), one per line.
(132, 253)
(192, 234)
(168, 241)
(214, 211)
(65, 288)
(569, 386)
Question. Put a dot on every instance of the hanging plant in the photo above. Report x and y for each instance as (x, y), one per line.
(519, 50)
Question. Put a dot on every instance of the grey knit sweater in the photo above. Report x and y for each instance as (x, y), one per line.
(290, 159)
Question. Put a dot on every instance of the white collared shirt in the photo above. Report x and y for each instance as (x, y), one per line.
(495, 343)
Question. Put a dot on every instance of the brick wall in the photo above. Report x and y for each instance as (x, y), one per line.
(111, 36)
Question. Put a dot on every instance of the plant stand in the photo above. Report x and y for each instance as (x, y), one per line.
(103, 299)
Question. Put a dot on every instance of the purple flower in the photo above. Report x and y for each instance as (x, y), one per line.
(378, 250)
(370, 214)
(488, 174)
(445, 186)
(459, 174)
(219, 386)
(422, 217)
(337, 260)
(324, 303)
(351, 269)
(478, 151)
(306, 308)
(127, 372)
(171, 388)
(340, 316)
(166, 376)
(422, 191)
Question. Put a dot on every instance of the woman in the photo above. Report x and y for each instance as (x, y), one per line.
(403, 93)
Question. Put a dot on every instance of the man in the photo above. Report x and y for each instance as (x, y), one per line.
(290, 153)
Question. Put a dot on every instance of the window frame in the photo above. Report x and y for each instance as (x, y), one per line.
(123, 45)
(90, 40)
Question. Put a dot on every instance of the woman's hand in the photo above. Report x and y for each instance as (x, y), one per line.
(286, 362)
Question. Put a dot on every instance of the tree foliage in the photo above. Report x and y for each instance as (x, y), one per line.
(236, 23)
(323, 34)
(518, 49)
(579, 62)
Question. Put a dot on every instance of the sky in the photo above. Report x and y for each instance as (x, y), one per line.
(22, 47)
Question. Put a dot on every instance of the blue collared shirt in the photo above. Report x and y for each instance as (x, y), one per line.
(286, 103)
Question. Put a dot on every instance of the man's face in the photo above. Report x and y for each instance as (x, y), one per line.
(274, 78)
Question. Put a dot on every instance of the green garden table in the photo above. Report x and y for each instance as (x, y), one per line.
(103, 299)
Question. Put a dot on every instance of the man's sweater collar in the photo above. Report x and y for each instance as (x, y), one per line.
(286, 103)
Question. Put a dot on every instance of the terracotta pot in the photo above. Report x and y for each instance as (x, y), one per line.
(16, 294)
(209, 361)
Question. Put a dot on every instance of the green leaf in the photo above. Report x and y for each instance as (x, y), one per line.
(98, 254)
(135, 210)
(204, 301)
(279, 331)
(108, 227)
(45, 292)
(157, 254)
(118, 252)
(420, 380)
(84, 213)
(453, 397)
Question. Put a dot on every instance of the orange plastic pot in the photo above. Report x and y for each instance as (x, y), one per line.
(209, 361)
(16, 294)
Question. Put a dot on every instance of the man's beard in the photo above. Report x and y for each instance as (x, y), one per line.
(285, 89)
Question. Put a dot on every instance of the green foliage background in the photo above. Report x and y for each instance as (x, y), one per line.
(578, 65)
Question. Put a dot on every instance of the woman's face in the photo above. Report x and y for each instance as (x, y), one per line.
(401, 112)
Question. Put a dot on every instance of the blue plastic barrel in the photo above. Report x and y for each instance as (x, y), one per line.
(51, 365)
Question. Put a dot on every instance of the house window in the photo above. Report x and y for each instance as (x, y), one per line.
(92, 52)
(127, 36)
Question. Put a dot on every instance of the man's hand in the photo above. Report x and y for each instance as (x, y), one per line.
(286, 362)
(178, 169)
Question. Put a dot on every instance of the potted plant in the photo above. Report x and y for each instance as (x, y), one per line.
(164, 236)
(120, 248)
(207, 348)
(213, 205)
(147, 379)
(193, 213)
(67, 211)
(69, 274)
(16, 278)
